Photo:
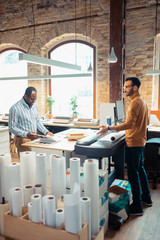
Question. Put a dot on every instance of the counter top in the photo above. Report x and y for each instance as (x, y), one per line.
(3, 129)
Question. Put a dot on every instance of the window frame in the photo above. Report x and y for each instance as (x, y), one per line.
(94, 67)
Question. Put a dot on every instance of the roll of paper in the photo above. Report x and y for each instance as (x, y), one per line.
(5, 159)
(30, 211)
(41, 171)
(28, 168)
(91, 190)
(13, 177)
(86, 213)
(59, 217)
(49, 208)
(111, 137)
(72, 210)
(15, 201)
(36, 208)
(38, 189)
(58, 175)
(28, 191)
(74, 172)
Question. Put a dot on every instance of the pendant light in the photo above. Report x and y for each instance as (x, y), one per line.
(90, 69)
(112, 58)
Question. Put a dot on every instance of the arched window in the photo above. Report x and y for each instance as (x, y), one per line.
(11, 90)
(65, 88)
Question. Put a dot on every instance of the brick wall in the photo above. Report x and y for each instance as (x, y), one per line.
(54, 22)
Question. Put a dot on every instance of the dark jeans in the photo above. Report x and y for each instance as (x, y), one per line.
(136, 174)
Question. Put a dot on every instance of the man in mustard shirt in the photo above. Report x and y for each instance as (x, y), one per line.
(135, 125)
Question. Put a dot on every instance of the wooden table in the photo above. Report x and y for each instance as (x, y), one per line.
(64, 147)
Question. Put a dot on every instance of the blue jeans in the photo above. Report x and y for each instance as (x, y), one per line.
(136, 174)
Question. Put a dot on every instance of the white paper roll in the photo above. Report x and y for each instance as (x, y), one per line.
(59, 217)
(58, 175)
(111, 137)
(86, 213)
(28, 168)
(30, 211)
(49, 208)
(74, 172)
(72, 211)
(13, 177)
(36, 208)
(41, 171)
(91, 190)
(38, 189)
(28, 191)
(5, 159)
(15, 201)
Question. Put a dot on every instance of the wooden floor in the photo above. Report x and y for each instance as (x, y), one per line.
(146, 227)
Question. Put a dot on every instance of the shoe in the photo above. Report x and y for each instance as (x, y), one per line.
(134, 210)
(147, 201)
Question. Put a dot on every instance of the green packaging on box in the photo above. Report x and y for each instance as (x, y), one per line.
(120, 207)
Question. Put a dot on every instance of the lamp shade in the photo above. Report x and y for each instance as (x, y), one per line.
(112, 58)
(90, 69)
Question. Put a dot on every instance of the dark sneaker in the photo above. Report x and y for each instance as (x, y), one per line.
(147, 201)
(134, 210)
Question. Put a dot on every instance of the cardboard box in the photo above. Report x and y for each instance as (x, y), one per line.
(104, 221)
(120, 207)
(103, 204)
(23, 229)
(125, 185)
(100, 235)
(116, 193)
(3, 208)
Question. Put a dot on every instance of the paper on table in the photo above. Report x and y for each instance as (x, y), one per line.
(154, 120)
(111, 137)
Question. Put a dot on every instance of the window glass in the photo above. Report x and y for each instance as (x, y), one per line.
(11, 90)
(63, 89)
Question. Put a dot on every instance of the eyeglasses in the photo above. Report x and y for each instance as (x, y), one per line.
(128, 86)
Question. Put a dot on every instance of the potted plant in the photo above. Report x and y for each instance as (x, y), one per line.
(50, 102)
(73, 102)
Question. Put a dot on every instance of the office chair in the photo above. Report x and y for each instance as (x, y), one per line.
(152, 160)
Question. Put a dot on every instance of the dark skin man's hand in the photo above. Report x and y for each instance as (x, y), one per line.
(32, 135)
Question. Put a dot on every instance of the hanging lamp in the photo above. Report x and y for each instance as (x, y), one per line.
(112, 58)
(90, 69)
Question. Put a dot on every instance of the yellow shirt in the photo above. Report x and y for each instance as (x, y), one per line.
(136, 123)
